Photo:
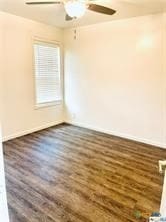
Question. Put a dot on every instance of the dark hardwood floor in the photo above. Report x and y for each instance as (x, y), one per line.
(67, 173)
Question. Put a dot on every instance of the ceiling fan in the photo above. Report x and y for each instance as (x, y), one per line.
(76, 8)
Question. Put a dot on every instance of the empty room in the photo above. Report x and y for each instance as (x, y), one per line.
(82, 110)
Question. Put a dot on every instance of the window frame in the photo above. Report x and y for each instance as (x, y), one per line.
(47, 43)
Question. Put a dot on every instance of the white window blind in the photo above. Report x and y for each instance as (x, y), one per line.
(47, 73)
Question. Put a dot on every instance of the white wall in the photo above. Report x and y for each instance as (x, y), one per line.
(114, 79)
(18, 113)
(3, 202)
(163, 199)
(1, 65)
(164, 71)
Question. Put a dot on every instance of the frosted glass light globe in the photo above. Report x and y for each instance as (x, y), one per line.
(75, 8)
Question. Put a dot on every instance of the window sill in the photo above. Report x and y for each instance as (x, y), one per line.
(50, 104)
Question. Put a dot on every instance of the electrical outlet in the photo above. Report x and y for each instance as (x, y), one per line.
(73, 116)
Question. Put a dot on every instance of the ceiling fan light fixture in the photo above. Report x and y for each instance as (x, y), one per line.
(75, 8)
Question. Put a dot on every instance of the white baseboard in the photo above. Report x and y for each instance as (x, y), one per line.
(146, 141)
(25, 132)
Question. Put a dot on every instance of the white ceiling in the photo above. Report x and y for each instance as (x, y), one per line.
(54, 14)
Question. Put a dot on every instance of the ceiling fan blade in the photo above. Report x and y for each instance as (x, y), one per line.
(101, 9)
(43, 3)
(68, 18)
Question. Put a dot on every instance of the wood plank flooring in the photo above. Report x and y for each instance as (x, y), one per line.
(71, 174)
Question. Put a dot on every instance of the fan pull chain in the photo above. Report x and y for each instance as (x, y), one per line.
(75, 34)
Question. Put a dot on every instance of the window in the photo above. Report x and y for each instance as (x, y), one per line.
(47, 74)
